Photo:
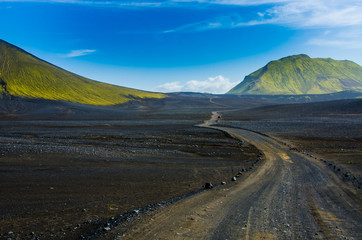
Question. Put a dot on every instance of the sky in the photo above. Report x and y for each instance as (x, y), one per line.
(180, 45)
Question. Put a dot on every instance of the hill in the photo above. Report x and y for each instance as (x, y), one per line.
(24, 75)
(300, 74)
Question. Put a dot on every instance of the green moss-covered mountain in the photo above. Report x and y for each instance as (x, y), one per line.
(301, 74)
(24, 75)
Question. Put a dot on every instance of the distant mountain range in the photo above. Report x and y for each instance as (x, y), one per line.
(24, 75)
(300, 74)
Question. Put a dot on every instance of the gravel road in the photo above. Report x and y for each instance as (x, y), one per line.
(290, 196)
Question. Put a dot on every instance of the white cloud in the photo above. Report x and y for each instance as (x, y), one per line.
(296, 13)
(170, 87)
(78, 53)
(293, 13)
(317, 13)
(217, 85)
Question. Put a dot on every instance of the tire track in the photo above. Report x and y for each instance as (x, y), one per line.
(289, 196)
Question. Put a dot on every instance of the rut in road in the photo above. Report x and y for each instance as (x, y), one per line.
(290, 196)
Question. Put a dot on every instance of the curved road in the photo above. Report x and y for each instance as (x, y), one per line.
(290, 196)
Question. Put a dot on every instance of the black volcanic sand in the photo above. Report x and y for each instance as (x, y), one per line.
(64, 179)
(331, 131)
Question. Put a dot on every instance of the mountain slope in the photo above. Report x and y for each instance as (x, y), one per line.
(24, 75)
(300, 74)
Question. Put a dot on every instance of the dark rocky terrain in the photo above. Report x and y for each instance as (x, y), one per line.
(330, 130)
(63, 175)
(69, 169)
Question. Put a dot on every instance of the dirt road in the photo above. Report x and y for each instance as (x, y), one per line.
(290, 196)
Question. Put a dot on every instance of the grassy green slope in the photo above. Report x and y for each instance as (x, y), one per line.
(301, 74)
(24, 75)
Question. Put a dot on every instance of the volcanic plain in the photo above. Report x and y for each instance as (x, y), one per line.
(70, 171)
(67, 169)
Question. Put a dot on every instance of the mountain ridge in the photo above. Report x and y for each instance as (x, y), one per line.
(300, 74)
(25, 75)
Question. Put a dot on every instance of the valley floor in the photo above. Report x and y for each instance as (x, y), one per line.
(72, 177)
(292, 195)
(65, 179)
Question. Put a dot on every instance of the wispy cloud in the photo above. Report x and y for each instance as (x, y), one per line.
(231, 2)
(299, 14)
(78, 53)
(154, 3)
(221, 22)
(350, 38)
(113, 3)
(292, 13)
(344, 43)
(218, 85)
(318, 13)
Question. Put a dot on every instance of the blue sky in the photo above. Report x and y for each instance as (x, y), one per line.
(180, 45)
